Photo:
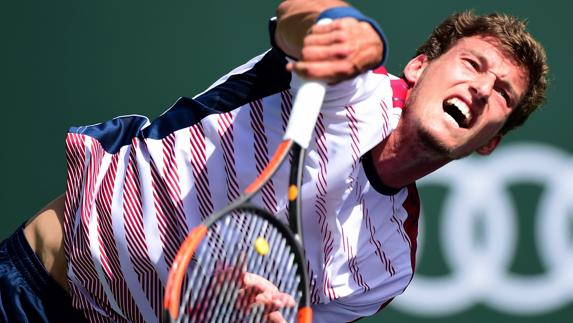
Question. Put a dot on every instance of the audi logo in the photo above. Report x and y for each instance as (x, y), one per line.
(479, 272)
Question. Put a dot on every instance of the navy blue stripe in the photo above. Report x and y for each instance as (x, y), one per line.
(266, 77)
(114, 134)
(372, 176)
(272, 27)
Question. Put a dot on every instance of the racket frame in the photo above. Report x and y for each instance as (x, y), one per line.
(291, 232)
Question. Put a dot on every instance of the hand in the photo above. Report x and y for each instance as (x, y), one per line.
(338, 51)
(257, 291)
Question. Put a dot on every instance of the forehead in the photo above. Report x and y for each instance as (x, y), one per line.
(498, 60)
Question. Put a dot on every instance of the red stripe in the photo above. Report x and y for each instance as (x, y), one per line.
(386, 119)
(354, 138)
(103, 203)
(356, 153)
(381, 70)
(286, 106)
(75, 156)
(399, 92)
(79, 257)
(75, 161)
(135, 235)
(225, 130)
(108, 246)
(200, 171)
(320, 204)
(386, 262)
(171, 173)
(262, 158)
(168, 233)
(87, 271)
(412, 207)
(314, 295)
(353, 267)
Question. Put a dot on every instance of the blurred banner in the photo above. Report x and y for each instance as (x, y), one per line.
(500, 230)
(496, 241)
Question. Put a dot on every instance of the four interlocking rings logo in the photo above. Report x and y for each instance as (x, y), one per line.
(480, 271)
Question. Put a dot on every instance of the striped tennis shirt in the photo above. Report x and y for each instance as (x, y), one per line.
(136, 187)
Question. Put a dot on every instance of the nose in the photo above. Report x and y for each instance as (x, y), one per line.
(482, 86)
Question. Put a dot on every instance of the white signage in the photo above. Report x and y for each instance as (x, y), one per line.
(480, 269)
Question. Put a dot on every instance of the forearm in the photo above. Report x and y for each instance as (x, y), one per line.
(294, 19)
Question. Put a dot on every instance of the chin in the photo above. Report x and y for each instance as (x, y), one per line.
(440, 147)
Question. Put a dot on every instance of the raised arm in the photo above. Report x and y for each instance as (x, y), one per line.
(333, 52)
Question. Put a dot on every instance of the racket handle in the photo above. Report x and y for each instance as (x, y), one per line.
(305, 108)
(305, 111)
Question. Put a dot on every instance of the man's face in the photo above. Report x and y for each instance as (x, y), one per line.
(461, 100)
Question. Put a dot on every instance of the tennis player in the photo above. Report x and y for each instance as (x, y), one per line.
(135, 187)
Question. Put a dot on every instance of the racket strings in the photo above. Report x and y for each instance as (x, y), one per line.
(216, 291)
(215, 243)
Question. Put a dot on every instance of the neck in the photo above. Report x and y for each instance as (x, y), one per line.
(400, 161)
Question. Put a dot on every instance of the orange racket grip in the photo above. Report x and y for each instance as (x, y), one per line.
(179, 267)
(305, 315)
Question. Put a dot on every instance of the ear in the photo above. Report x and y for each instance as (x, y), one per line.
(490, 146)
(414, 68)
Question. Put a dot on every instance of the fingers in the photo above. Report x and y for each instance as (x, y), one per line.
(258, 291)
(275, 299)
(285, 300)
(336, 51)
(335, 32)
(275, 317)
(255, 281)
(267, 292)
(339, 50)
(273, 302)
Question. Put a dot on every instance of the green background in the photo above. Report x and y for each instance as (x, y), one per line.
(66, 63)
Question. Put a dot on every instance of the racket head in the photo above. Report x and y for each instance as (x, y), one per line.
(207, 281)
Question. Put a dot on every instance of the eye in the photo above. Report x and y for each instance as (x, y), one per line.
(505, 95)
(473, 63)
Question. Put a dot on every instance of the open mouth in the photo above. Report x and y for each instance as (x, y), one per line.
(459, 111)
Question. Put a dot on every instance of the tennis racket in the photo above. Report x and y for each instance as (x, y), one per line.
(208, 278)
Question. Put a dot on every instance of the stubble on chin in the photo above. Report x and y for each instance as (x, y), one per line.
(438, 148)
(432, 144)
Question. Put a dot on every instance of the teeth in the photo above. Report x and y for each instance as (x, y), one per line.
(462, 107)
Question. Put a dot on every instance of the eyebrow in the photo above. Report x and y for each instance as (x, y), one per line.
(513, 97)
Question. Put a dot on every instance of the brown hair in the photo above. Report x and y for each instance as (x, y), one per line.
(515, 41)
